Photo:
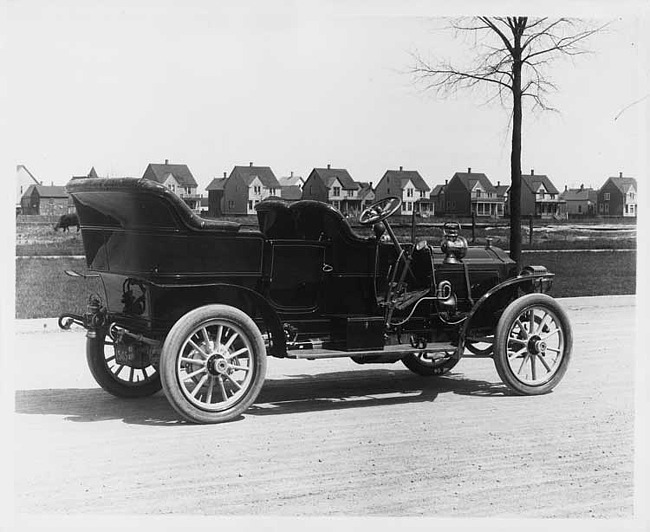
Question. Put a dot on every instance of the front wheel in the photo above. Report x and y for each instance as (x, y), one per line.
(213, 364)
(118, 379)
(533, 344)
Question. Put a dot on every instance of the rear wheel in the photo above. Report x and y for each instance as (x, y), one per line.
(429, 364)
(213, 364)
(533, 344)
(118, 379)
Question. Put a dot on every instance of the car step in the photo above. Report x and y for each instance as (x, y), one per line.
(398, 349)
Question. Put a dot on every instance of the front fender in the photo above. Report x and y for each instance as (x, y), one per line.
(486, 312)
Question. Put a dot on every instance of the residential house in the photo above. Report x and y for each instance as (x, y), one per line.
(437, 196)
(41, 199)
(292, 181)
(471, 193)
(246, 186)
(502, 196)
(408, 186)
(580, 201)
(366, 195)
(216, 196)
(178, 179)
(334, 186)
(291, 193)
(92, 173)
(24, 179)
(539, 197)
(618, 197)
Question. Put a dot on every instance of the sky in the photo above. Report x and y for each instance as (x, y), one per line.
(298, 85)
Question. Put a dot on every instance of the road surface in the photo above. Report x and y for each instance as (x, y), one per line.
(335, 438)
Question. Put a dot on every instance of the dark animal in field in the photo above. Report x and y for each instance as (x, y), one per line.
(66, 221)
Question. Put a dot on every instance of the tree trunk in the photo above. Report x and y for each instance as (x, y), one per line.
(515, 159)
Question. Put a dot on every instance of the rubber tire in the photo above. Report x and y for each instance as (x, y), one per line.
(173, 344)
(511, 313)
(412, 362)
(103, 376)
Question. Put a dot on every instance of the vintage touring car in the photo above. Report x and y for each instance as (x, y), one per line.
(195, 306)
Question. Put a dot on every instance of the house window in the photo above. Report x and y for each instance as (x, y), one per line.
(350, 193)
(409, 192)
(478, 193)
(257, 189)
(250, 205)
(337, 191)
(579, 209)
(188, 190)
(632, 208)
(606, 196)
(231, 204)
(423, 193)
(172, 187)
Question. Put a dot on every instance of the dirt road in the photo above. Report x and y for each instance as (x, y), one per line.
(335, 438)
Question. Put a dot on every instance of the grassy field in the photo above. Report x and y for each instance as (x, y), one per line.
(44, 291)
(41, 239)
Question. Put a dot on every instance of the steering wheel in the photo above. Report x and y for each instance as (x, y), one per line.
(380, 210)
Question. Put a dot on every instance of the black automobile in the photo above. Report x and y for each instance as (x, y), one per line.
(196, 306)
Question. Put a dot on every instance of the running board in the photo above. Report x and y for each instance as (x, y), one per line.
(397, 349)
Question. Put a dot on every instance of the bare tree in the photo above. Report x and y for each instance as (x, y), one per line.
(512, 56)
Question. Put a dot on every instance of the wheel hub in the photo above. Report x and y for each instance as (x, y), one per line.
(536, 345)
(217, 365)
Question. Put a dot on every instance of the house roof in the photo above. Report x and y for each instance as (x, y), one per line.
(19, 166)
(579, 194)
(291, 192)
(328, 175)
(364, 189)
(437, 190)
(217, 183)
(623, 183)
(290, 180)
(180, 172)
(249, 173)
(533, 181)
(469, 180)
(47, 191)
(92, 173)
(402, 177)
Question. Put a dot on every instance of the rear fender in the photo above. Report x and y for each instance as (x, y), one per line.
(243, 298)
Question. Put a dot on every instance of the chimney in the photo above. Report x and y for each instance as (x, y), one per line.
(566, 188)
(250, 164)
(166, 161)
(401, 168)
(469, 170)
(498, 183)
(446, 181)
(291, 173)
(328, 166)
(620, 174)
(582, 186)
(532, 171)
(225, 174)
